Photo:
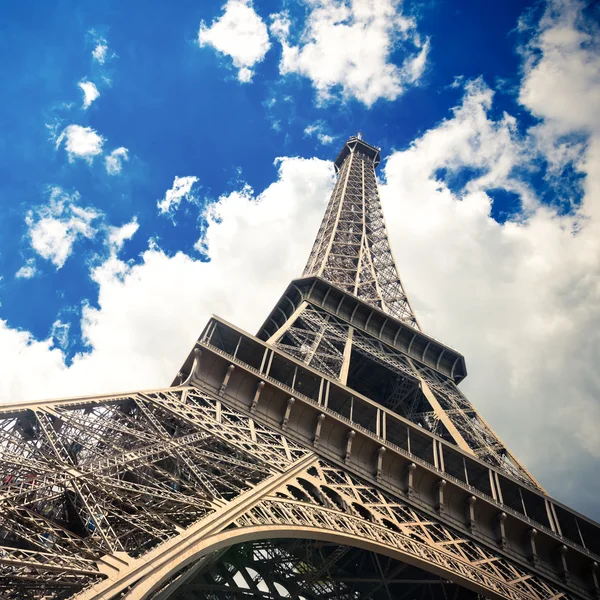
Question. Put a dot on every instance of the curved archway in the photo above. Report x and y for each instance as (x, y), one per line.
(460, 575)
(306, 569)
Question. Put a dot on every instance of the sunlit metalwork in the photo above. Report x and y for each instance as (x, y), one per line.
(330, 456)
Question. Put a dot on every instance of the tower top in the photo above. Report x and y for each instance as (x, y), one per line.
(356, 143)
(352, 250)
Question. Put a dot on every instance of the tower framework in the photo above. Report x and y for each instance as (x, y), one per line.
(332, 455)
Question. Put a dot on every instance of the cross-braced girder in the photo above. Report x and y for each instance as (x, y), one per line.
(434, 401)
(313, 570)
(352, 252)
(122, 477)
(106, 498)
(352, 249)
(258, 476)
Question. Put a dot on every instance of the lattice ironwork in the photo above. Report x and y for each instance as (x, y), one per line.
(256, 475)
(121, 475)
(310, 570)
(352, 248)
(326, 343)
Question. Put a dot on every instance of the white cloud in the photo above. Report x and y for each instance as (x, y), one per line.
(562, 70)
(114, 161)
(81, 142)
(239, 33)
(145, 322)
(90, 92)
(318, 130)
(561, 83)
(347, 46)
(60, 334)
(520, 299)
(181, 189)
(54, 228)
(117, 236)
(28, 270)
(100, 51)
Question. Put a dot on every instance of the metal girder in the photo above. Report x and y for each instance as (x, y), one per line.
(352, 249)
(284, 469)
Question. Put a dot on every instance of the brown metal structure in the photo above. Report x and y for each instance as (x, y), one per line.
(330, 456)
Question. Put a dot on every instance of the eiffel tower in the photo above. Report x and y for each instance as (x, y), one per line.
(332, 455)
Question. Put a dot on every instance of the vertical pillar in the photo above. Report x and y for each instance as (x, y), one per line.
(533, 555)
(346, 357)
(264, 360)
(595, 579)
(288, 410)
(380, 453)
(317, 437)
(226, 379)
(410, 490)
(471, 513)
(501, 517)
(440, 446)
(259, 387)
(349, 439)
(563, 565)
(441, 484)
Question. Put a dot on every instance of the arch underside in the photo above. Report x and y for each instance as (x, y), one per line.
(307, 569)
(149, 484)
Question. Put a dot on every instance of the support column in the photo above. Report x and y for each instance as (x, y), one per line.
(317, 437)
(226, 379)
(471, 513)
(259, 387)
(410, 479)
(349, 439)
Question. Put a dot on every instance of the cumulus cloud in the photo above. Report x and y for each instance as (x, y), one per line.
(117, 236)
(562, 70)
(28, 270)
(561, 83)
(90, 92)
(239, 33)
(114, 161)
(521, 298)
(139, 320)
(54, 228)
(318, 130)
(347, 46)
(181, 190)
(81, 142)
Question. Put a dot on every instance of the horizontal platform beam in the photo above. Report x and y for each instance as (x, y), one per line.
(413, 461)
(376, 323)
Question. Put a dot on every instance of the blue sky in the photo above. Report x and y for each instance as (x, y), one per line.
(162, 162)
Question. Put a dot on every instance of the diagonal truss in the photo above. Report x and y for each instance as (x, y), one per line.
(139, 495)
(111, 496)
(332, 456)
(117, 477)
(352, 249)
(352, 253)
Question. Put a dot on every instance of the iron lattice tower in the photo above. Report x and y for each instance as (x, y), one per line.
(330, 456)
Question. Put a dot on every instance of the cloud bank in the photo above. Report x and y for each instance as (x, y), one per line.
(520, 298)
(346, 47)
(240, 34)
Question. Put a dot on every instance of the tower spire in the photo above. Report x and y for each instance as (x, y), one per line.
(352, 249)
(335, 440)
(350, 318)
